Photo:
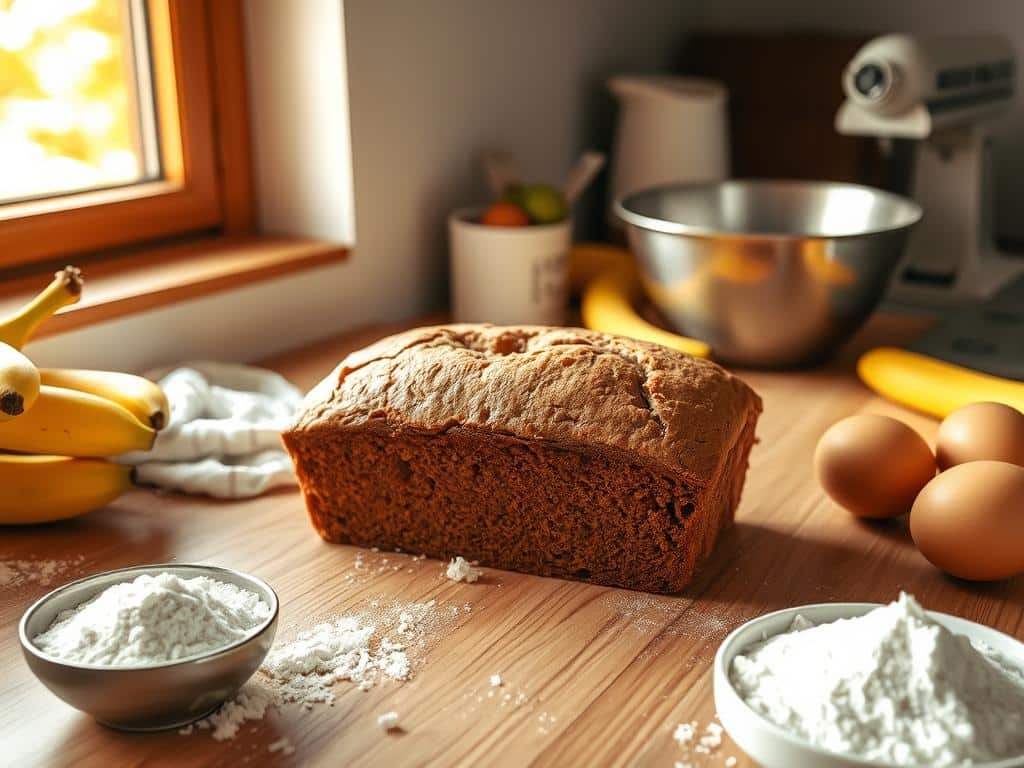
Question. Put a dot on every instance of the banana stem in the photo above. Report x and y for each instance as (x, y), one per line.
(65, 289)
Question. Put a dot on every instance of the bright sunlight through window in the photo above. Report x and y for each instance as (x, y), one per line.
(76, 108)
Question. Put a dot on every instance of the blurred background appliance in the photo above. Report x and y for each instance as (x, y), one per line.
(943, 93)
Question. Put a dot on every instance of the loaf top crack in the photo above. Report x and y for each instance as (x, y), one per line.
(566, 386)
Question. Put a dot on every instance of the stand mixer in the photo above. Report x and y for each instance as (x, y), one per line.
(944, 92)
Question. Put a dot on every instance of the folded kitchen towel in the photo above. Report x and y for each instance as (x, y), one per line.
(224, 435)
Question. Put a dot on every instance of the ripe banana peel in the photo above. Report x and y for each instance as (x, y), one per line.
(19, 383)
(609, 286)
(66, 422)
(144, 398)
(40, 489)
(66, 288)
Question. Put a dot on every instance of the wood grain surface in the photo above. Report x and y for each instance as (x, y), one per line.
(606, 674)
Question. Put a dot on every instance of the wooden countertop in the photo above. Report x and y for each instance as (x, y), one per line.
(607, 674)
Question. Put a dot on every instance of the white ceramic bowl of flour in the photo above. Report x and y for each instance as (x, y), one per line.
(772, 746)
(143, 695)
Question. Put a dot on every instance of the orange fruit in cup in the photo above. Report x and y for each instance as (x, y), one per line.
(505, 215)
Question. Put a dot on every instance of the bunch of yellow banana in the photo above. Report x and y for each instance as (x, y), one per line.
(58, 425)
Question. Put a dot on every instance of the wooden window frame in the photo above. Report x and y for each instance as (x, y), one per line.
(199, 77)
(191, 234)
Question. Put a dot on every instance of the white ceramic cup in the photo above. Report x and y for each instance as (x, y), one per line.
(508, 275)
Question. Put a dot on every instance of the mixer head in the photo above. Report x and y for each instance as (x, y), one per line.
(901, 86)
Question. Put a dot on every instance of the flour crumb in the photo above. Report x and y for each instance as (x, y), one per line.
(945, 701)
(388, 721)
(712, 738)
(282, 745)
(730, 761)
(685, 732)
(546, 720)
(495, 681)
(460, 569)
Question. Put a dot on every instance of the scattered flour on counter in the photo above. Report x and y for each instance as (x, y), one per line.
(460, 569)
(495, 681)
(154, 619)
(694, 741)
(17, 573)
(305, 669)
(251, 703)
(892, 685)
(361, 648)
(365, 648)
(389, 722)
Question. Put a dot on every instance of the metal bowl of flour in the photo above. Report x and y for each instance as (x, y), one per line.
(771, 746)
(156, 696)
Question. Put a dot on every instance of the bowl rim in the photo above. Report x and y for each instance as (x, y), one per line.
(29, 647)
(720, 675)
(667, 227)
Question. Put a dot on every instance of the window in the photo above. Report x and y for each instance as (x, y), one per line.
(76, 104)
(121, 121)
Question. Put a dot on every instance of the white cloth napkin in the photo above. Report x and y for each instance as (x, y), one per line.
(224, 435)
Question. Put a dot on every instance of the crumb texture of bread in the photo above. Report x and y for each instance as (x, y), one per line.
(554, 451)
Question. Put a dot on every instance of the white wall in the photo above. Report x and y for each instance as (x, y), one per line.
(431, 85)
(910, 16)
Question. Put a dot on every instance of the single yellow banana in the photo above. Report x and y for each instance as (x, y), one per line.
(65, 289)
(39, 489)
(610, 287)
(587, 260)
(70, 423)
(933, 386)
(142, 397)
(19, 383)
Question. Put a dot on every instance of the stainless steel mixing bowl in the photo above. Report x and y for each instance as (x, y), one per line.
(153, 697)
(770, 273)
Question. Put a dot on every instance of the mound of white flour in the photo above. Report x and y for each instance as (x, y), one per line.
(891, 685)
(154, 619)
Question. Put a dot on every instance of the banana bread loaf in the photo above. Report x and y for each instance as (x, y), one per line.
(554, 451)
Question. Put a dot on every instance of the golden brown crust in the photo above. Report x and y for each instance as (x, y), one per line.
(565, 386)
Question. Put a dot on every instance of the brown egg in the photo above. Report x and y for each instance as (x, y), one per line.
(969, 521)
(979, 432)
(873, 465)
